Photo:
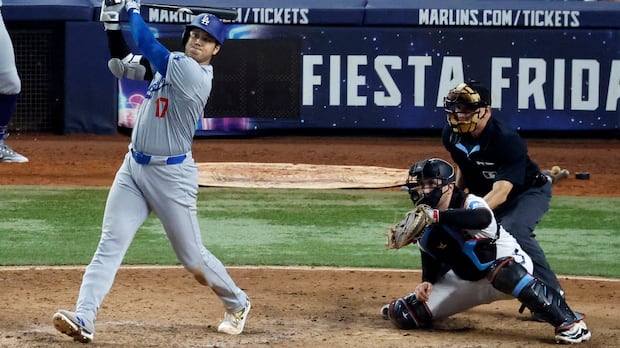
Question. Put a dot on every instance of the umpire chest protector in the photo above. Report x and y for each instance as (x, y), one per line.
(469, 258)
(498, 154)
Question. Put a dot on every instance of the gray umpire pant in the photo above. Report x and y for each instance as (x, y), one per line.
(519, 216)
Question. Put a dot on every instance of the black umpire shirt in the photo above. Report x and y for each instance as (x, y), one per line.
(498, 154)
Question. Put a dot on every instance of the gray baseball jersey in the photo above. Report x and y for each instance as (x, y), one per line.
(167, 119)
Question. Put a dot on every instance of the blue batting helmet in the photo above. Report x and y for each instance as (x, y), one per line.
(209, 23)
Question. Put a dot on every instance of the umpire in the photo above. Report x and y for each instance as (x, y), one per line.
(493, 163)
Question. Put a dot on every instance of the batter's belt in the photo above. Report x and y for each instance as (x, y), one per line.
(142, 158)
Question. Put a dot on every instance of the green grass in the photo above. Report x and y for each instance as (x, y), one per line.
(61, 226)
(582, 236)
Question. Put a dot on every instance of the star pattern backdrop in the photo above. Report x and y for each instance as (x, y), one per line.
(396, 77)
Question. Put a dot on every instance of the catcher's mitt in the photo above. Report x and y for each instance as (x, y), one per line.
(409, 229)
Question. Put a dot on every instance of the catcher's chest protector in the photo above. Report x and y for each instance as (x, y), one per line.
(470, 259)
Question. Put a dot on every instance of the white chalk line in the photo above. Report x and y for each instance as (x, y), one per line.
(292, 268)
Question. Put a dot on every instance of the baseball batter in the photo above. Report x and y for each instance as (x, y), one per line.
(158, 173)
(10, 87)
(484, 262)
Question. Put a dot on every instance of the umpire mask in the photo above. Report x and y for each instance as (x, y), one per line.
(466, 99)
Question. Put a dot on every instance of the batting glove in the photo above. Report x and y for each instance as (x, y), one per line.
(132, 6)
(110, 13)
(433, 214)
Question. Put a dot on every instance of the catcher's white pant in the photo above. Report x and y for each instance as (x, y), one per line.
(451, 294)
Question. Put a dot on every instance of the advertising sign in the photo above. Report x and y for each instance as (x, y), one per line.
(395, 77)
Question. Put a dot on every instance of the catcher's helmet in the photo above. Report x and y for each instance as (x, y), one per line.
(466, 98)
(209, 23)
(432, 168)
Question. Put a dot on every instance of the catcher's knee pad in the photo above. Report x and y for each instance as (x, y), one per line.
(505, 275)
(510, 277)
(408, 313)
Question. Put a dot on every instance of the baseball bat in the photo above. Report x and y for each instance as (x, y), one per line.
(220, 12)
(563, 173)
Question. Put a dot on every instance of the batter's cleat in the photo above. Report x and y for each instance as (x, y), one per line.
(7, 155)
(72, 325)
(576, 333)
(234, 323)
(384, 312)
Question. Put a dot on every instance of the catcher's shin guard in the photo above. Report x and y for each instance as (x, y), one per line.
(408, 313)
(509, 277)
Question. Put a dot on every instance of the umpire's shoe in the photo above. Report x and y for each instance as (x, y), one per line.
(576, 333)
(234, 323)
(72, 325)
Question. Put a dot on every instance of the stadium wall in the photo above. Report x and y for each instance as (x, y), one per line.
(336, 65)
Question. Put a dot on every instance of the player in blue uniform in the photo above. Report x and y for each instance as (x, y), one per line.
(493, 162)
(484, 262)
(159, 174)
(10, 87)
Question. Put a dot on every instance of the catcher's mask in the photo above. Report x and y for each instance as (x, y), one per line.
(432, 173)
(209, 23)
(466, 99)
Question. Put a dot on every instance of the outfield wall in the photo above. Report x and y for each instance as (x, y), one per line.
(348, 65)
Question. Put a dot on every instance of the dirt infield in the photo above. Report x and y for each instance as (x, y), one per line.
(299, 307)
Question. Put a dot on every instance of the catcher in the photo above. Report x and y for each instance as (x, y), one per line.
(468, 259)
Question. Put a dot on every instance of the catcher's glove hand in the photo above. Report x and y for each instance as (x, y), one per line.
(410, 229)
